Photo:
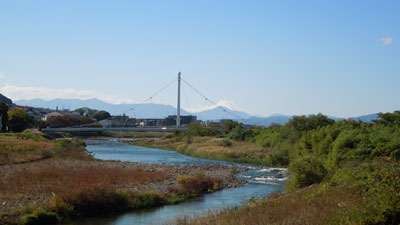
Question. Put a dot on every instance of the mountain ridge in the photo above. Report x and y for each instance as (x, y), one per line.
(152, 110)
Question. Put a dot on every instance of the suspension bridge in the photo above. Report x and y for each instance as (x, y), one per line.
(123, 128)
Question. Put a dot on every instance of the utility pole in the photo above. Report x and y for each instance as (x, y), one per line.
(178, 108)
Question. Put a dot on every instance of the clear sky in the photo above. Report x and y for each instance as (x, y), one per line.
(340, 58)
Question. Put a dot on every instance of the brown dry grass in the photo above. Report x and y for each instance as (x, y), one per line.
(24, 147)
(36, 184)
(15, 150)
(313, 205)
(210, 147)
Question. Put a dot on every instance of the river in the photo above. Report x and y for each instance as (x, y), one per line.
(261, 181)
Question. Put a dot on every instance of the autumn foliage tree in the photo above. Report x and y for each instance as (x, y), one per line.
(17, 120)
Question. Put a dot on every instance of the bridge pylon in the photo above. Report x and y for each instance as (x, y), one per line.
(178, 107)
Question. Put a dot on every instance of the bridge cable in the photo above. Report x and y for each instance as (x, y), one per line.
(186, 98)
(211, 101)
(149, 98)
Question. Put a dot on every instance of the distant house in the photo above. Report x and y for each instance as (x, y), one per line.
(52, 114)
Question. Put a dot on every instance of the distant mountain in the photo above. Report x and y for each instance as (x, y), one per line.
(221, 113)
(4, 99)
(366, 118)
(140, 111)
(161, 111)
(267, 121)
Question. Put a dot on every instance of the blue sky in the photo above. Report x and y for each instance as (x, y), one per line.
(340, 58)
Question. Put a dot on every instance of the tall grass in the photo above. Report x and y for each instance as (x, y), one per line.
(63, 178)
(213, 148)
(21, 147)
(74, 187)
(303, 207)
(194, 186)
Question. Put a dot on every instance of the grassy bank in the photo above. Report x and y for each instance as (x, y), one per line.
(54, 190)
(341, 172)
(46, 181)
(211, 148)
(27, 147)
(365, 193)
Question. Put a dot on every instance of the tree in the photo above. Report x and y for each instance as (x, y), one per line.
(388, 118)
(101, 115)
(17, 120)
(3, 115)
(229, 125)
(66, 121)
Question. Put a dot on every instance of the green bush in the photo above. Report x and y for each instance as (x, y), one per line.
(225, 143)
(278, 158)
(239, 133)
(147, 199)
(46, 217)
(30, 220)
(305, 171)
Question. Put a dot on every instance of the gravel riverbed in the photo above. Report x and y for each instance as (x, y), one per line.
(10, 204)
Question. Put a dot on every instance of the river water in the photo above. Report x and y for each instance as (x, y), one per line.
(261, 181)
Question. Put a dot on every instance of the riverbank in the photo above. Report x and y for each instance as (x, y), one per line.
(54, 189)
(210, 148)
(357, 193)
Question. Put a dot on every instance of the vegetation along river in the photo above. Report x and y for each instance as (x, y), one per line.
(260, 182)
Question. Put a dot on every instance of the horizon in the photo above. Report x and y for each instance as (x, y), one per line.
(214, 107)
(292, 58)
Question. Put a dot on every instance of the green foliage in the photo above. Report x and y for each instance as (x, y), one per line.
(389, 118)
(40, 217)
(4, 116)
(147, 199)
(303, 123)
(101, 115)
(17, 120)
(45, 217)
(225, 142)
(279, 158)
(27, 134)
(72, 149)
(66, 121)
(305, 171)
(378, 183)
(197, 129)
(269, 137)
(240, 133)
(30, 220)
(228, 126)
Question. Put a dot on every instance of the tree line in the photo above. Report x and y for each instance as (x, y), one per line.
(17, 120)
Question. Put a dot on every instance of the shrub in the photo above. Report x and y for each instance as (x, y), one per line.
(30, 220)
(197, 185)
(17, 120)
(278, 158)
(90, 201)
(46, 153)
(305, 171)
(239, 133)
(147, 199)
(66, 121)
(225, 143)
(46, 217)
